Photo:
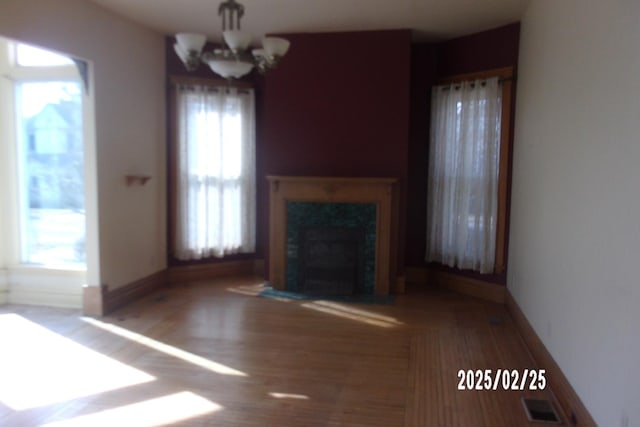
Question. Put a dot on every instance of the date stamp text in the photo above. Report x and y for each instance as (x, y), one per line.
(502, 379)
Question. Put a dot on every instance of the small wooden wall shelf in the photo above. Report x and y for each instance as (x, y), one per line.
(136, 179)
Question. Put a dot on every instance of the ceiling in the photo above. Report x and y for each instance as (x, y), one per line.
(431, 20)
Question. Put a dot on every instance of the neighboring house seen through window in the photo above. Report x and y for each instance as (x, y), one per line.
(47, 95)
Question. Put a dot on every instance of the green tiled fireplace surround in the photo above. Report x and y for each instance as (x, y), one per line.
(320, 214)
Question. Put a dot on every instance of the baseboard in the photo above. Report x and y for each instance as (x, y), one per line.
(204, 272)
(100, 300)
(4, 287)
(463, 285)
(116, 298)
(573, 408)
(93, 298)
(417, 275)
(399, 286)
(472, 287)
(43, 286)
(45, 298)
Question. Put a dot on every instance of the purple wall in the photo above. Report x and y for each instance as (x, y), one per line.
(338, 105)
(495, 48)
(423, 76)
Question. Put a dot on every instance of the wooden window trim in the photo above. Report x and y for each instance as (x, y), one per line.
(505, 74)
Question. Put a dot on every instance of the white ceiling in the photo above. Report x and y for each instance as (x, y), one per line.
(430, 19)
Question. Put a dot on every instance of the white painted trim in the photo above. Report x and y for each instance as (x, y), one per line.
(4, 287)
(24, 284)
(43, 286)
(92, 245)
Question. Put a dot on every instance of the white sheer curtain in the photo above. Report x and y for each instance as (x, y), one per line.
(215, 191)
(463, 174)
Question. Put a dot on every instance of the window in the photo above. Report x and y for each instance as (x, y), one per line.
(48, 111)
(214, 151)
(31, 56)
(466, 202)
(50, 172)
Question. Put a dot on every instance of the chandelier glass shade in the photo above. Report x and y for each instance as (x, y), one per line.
(234, 58)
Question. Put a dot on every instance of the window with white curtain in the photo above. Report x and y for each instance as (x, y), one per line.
(215, 172)
(463, 177)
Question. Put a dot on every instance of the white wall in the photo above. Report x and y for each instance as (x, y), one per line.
(5, 173)
(128, 73)
(574, 258)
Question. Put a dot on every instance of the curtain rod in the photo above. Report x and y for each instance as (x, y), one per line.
(214, 88)
(200, 81)
(457, 85)
(505, 72)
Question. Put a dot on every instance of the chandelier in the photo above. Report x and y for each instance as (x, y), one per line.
(233, 60)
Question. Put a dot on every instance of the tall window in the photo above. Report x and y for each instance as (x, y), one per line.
(464, 189)
(49, 136)
(215, 172)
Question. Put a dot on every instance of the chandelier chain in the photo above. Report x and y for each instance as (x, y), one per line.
(230, 9)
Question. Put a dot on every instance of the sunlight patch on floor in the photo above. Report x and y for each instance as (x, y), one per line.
(160, 411)
(289, 396)
(282, 299)
(254, 291)
(38, 367)
(165, 348)
(348, 312)
(250, 290)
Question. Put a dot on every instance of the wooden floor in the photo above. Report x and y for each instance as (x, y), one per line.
(215, 354)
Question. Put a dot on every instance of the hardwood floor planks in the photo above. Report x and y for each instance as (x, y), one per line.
(241, 360)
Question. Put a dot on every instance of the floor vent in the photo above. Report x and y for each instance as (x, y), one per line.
(541, 411)
(496, 321)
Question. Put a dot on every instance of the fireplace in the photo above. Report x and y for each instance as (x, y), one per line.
(331, 260)
(331, 212)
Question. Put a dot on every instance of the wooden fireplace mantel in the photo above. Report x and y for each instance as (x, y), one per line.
(379, 191)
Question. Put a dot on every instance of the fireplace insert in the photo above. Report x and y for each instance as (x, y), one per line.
(331, 260)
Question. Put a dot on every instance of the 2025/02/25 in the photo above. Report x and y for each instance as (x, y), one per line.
(505, 379)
